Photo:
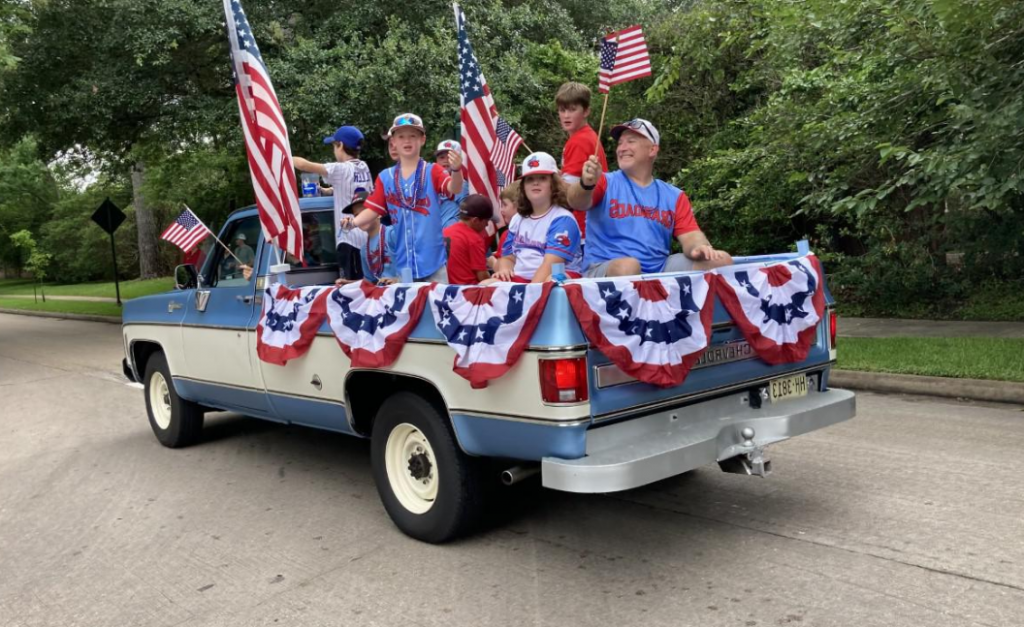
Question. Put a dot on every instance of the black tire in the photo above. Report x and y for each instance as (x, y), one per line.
(184, 424)
(458, 506)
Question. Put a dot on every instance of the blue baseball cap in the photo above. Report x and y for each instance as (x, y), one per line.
(348, 135)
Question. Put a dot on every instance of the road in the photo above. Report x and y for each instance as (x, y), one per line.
(911, 514)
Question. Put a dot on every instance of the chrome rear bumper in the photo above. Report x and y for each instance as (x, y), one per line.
(644, 450)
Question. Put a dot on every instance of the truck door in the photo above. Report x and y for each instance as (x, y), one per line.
(221, 364)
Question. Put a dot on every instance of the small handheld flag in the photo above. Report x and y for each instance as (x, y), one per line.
(624, 58)
(186, 231)
(504, 153)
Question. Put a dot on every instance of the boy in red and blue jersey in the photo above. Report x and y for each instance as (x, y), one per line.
(632, 217)
(408, 197)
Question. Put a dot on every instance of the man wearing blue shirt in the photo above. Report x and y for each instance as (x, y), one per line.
(632, 216)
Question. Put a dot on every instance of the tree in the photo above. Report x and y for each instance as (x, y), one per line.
(117, 76)
(37, 262)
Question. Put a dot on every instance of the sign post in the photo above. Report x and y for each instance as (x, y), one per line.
(109, 216)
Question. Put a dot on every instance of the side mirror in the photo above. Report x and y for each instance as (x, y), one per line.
(185, 277)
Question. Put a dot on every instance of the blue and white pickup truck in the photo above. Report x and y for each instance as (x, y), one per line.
(439, 447)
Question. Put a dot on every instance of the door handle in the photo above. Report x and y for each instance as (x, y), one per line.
(246, 299)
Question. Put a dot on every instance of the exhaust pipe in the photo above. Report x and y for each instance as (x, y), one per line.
(516, 474)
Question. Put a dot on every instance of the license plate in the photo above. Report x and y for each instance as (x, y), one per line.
(788, 387)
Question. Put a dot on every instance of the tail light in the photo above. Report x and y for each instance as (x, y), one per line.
(833, 326)
(564, 380)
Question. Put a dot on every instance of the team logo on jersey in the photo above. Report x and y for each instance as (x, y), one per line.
(653, 329)
(777, 307)
(488, 327)
(372, 323)
(289, 322)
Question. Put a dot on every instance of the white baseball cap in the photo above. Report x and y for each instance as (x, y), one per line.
(240, 236)
(407, 120)
(539, 163)
(448, 145)
(639, 126)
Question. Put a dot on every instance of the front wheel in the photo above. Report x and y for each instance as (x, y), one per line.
(176, 422)
(432, 490)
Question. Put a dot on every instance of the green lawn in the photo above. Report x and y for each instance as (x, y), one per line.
(62, 306)
(969, 357)
(129, 289)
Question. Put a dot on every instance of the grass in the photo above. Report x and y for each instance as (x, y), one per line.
(967, 357)
(62, 306)
(129, 289)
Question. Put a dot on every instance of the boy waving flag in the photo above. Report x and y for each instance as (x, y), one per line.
(266, 136)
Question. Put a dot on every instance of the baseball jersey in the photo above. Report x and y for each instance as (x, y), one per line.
(628, 220)
(530, 238)
(467, 254)
(577, 150)
(376, 257)
(419, 244)
(347, 178)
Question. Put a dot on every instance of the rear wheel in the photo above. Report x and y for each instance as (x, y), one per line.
(431, 489)
(175, 421)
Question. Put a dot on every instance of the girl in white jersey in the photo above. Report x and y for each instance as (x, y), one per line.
(543, 232)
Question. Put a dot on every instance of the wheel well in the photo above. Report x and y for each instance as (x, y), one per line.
(366, 391)
(141, 352)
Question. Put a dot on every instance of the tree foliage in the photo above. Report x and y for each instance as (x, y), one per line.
(887, 131)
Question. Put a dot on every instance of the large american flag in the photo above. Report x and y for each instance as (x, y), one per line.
(504, 154)
(186, 231)
(266, 136)
(624, 58)
(479, 116)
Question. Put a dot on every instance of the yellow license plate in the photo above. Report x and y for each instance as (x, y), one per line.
(788, 387)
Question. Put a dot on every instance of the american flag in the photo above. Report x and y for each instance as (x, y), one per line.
(504, 154)
(478, 115)
(186, 231)
(624, 58)
(266, 136)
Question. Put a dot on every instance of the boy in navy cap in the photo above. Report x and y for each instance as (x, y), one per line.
(347, 176)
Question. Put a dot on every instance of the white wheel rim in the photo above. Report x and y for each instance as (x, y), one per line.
(160, 400)
(412, 468)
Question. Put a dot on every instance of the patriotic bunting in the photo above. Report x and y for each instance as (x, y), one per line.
(777, 307)
(372, 323)
(289, 322)
(488, 327)
(653, 329)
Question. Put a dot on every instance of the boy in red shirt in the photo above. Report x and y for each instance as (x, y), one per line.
(467, 252)
(573, 100)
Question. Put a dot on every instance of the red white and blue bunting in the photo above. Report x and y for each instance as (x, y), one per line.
(777, 307)
(653, 329)
(487, 327)
(289, 322)
(372, 323)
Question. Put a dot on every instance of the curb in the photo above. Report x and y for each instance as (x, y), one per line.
(973, 389)
(61, 316)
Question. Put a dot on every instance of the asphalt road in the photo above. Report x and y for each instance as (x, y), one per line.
(911, 514)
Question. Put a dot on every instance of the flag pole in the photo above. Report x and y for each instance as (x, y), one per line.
(604, 107)
(600, 128)
(216, 239)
